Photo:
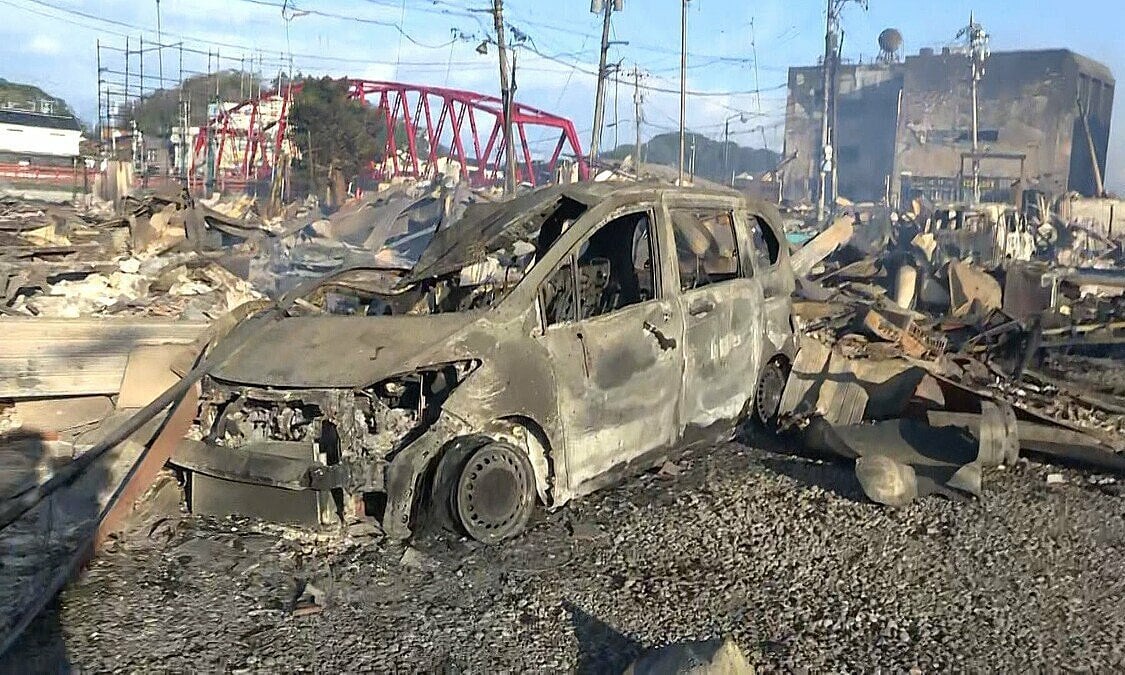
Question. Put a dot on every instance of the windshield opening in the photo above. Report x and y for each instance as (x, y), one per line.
(493, 265)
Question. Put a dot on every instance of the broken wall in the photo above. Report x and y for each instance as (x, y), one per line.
(1026, 106)
(866, 118)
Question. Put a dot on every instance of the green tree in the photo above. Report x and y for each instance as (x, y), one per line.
(338, 138)
(335, 135)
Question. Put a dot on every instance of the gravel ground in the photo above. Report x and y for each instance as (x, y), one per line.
(781, 553)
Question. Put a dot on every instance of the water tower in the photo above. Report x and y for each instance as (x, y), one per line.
(890, 45)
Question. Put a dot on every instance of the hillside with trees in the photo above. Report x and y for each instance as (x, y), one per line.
(159, 111)
(28, 97)
(709, 160)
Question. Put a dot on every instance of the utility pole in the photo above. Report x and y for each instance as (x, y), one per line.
(141, 161)
(754, 54)
(978, 52)
(506, 95)
(606, 7)
(637, 101)
(683, 86)
(728, 169)
(98, 57)
(828, 108)
(726, 151)
(693, 136)
(185, 136)
(160, 46)
(127, 60)
(826, 75)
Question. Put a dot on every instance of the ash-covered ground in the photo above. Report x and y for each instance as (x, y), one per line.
(782, 553)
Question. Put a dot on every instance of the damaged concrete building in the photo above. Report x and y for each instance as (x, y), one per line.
(904, 128)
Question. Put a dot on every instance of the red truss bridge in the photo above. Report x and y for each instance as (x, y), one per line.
(247, 140)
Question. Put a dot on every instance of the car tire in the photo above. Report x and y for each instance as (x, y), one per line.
(493, 494)
(442, 508)
(768, 393)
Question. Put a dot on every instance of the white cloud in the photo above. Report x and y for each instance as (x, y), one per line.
(44, 45)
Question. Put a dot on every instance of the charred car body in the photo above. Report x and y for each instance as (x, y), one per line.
(539, 349)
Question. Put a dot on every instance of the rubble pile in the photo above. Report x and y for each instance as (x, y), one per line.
(61, 262)
(963, 321)
(174, 256)
(101, 313)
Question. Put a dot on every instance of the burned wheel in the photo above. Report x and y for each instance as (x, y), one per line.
(767, 395)
(495, 493)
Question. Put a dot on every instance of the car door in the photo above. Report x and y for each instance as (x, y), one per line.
(722, 305)
(613, 335)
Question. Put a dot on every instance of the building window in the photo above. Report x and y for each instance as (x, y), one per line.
(983, 136)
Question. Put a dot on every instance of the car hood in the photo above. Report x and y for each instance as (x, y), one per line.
(334, 351)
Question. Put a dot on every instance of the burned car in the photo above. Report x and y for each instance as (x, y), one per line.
(539, 349)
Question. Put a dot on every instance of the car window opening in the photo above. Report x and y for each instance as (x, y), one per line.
(612, 269)
(766, 247)
(706, 249)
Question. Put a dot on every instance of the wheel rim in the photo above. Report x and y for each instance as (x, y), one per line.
(771, 386)
(492, 494)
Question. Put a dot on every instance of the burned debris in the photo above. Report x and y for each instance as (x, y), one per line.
(934, 338)
(303, 362)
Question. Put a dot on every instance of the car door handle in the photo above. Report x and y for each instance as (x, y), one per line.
(662, 340)
(701, 308)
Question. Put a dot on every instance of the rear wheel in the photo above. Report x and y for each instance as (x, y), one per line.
(767, 395)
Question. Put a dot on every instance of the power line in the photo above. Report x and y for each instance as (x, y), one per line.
(639, 45)
(555, 58)
(197, 39)
(659, 89)
(355, 19)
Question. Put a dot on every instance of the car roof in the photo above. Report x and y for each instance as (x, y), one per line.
(489, 226)
(591, 193)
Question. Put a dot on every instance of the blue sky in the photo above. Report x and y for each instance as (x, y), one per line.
(50, 43)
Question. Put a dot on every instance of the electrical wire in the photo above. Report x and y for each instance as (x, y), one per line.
(196, 39)
(438, 7)
(646, 87)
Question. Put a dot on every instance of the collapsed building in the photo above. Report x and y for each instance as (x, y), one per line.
(903, 129)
